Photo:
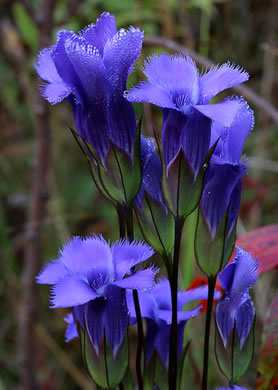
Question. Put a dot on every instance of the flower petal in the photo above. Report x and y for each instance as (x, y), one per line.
(162, 340)
(109, 315)
(122, 123)
(218, 79)
(141, 280)
(120, 52)
(78, 314)
(244, 317)
(65, 68)
(115, 316)
(55, 90)
(52, 272)
(90, 257)
(220, 181)
(162, 295)
(172, 127)
(147, 305)
(151, 174)
(166, 315)
(195, 139)
(224, 319)
(71, 331)
(190, 295)
(71, 291)
(152, 330)
(98, 34)
(88, 64)
(176, 74)
(224, 112)
(146, 92)
(245, 274)
(161, 343)
(234, 206)
(93, 124)
(231, 140)
(95, 321)
(126, 255)
(227, 275)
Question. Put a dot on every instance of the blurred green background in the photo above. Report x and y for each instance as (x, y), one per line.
(242, 31)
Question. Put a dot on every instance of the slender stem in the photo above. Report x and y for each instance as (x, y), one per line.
(121, 219)
(173, 358)
(211, 286)
(121, 386)
(130, 234)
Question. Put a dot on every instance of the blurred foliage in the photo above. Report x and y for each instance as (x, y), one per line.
(238, 31)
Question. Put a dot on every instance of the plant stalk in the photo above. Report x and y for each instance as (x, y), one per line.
(211, 287)
(130, 235)
(173, 358)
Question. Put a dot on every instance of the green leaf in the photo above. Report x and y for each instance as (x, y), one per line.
(26, 26)
(233, 361)
(122, 177)
(93, 163)
(210, 252)
(104, 368)
(157, 225)
(181, 190)
(127, 381)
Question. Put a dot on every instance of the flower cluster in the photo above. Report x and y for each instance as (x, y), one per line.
(90, 70)
(236, 308)
(199, 165)
(90, 277)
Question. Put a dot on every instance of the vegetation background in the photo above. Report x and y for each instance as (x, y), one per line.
(47, 195)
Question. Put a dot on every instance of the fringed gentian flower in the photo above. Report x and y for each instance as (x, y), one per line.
(156, 309)
(90, 276)
(236, 308)
(223, 179)
(174, 84)
(90, 70)
(151, 174)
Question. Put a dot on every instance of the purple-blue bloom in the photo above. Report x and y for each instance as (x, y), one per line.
(175, 85)
(223, 179)
(90, 70)
(151, 174)
(156, 307)
(236, 309)
(90, 276)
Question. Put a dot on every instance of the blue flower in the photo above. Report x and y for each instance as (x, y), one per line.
(90, 276)
(90, 69)
(236, 308)
(223, 179)
(174, 84)
(156, 309)
(151, 174)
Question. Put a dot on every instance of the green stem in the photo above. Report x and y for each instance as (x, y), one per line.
(211, 286)
(121, 220)
(187, 259)
(121, 386)
(130, 234)
(173, 358)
